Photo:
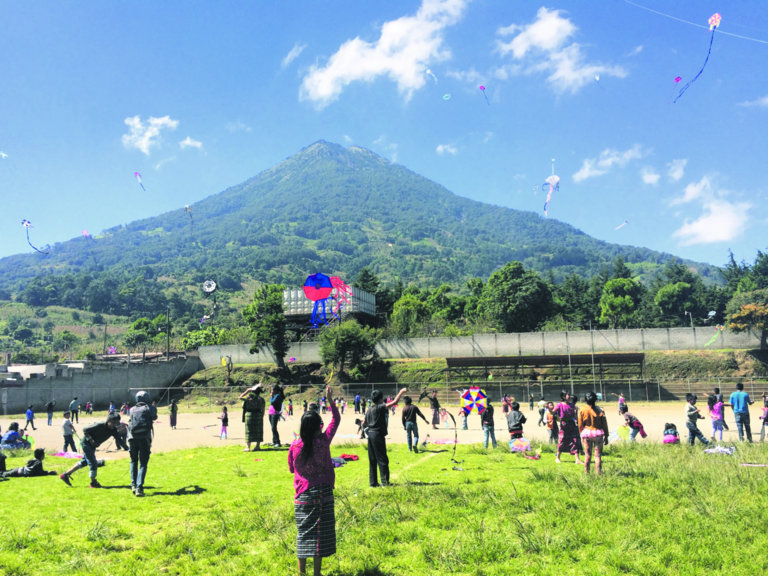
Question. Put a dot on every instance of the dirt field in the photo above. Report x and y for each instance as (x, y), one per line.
(192, 432)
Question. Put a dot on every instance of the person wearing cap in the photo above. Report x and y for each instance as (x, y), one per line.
(93, 437)
(140, 430)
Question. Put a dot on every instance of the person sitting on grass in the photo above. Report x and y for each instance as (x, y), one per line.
(635, 426)
(515, 421)
(409, 415)
(309, 459)
(93, 437)
(12, 440)
(593, 429)
(486, 420)
(671, 435)
(692, 416)
(253, 417)
(568, 438)
(552, 426)
(34, 468)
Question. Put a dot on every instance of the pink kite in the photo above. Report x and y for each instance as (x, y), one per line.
(486, 97)
(138, 177)
(73, 455)
(342, 290)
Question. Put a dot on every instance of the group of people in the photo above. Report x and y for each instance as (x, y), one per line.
(135, 436)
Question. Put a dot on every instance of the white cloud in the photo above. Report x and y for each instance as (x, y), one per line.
(721, 221)
(607, 159)
(143, 137)
(406, 48)
(759, 102)
(292, 55)
(677, 169)
(488, 136)
(693, 191)
(189, 143)
(470, 76)
(347, 139)
(519, 177)
(237, 126)
(545, 41)
(650, 176)
(446, 148)
(636, 51)
(165, 161)
(381, 142)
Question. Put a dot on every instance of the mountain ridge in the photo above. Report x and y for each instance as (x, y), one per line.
(334, 209)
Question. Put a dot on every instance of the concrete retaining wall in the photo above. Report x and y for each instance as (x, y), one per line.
(97, 383)
(519, 344)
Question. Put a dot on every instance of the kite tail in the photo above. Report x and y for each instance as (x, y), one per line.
(142, 186)
(684, 88)
(486, 98)
(30, 243)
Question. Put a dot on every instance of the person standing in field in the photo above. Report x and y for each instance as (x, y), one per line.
(253, 417)
(716, 396)
(435, 405)
(692, 416)
(290, 407)
(224, 417)
(275, 409)
(593, 429)
(486, 420)
(740, 402)
(764, 417)
(68, 431)
(49, 409)
(552, 424)
(409, 415)
(314, 478)
(622, 401)
(74, 410)
(30, 418)
(515, 421)
(542, 406)
(716, 414)
(140, 431)
(357, 403)
(530, 402)
(174, 408)
(568, 438)
(376, 425)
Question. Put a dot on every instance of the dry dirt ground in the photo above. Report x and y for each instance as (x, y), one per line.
(195, 430)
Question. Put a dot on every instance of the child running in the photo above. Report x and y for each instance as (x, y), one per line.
(224, 422)
(692, 415)
(309, 459)
(593, 429)
(93, 437)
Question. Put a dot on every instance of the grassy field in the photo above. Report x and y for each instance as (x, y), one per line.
(656, 510)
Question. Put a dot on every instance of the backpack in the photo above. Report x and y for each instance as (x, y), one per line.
(141, 425)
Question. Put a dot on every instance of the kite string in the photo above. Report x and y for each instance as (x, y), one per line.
(694, 24)
(684, 88)
(30, 243)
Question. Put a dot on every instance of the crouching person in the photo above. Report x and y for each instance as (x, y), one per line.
(33, 468)
(94, 436)
(140, 429)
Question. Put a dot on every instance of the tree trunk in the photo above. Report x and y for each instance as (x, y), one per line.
(280, 361)
(764, 339)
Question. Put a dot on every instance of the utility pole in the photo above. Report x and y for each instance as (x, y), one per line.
(168, 334)
(104, 351)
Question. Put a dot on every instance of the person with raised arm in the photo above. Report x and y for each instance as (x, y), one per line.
(376, 428)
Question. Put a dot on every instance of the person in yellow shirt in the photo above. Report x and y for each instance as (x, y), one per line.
(593, 429)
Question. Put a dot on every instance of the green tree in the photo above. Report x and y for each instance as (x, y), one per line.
(675, 299)
(516, 300)
(65, 341)
(347, 344)
(207, 337)
(367, 280)
(620, 299)
(749, 310)
(266, 321)
(620, 269)
(408, 312)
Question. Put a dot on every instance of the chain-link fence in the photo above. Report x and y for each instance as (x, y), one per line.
(634, 390)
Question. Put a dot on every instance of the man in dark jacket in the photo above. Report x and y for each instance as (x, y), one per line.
(275, 409)
(410, 413)
(94, 436)
(31, 470)
(140, 430)
(376, 426)
(49, 409)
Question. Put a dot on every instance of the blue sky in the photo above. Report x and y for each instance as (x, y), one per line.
(198, 97)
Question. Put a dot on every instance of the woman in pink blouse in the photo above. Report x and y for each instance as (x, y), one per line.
(309, 458)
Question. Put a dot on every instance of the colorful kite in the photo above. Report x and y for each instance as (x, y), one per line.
(292, 360)
(486, 97)
(622, 224)
(621, 433)
(342, 290)
(554, 184)
(714, 22)
(474, 400)
(447, 97)
(318, 288)
(678, 79)
(112, 350)
(27, 225)
(433, 76)
(718, 329)
(520, 445)
(86, 235)
(138, 177)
